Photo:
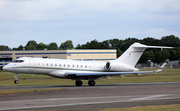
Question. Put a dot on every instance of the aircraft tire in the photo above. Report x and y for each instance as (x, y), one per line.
(91, 83)
(78, 83)
(16, 81)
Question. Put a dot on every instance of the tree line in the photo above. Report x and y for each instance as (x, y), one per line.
(156, 55)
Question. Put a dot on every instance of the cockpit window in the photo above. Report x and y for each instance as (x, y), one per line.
(18, 61)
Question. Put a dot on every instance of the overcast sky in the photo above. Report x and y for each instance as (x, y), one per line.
(85, 20)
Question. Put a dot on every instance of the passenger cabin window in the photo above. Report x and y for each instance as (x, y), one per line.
(18, 61)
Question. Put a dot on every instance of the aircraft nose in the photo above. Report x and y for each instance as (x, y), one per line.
(5, 68)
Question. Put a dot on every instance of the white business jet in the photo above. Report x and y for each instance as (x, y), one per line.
(82, 70)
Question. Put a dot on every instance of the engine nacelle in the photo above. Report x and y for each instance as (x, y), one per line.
(118, 67)
(108, 66)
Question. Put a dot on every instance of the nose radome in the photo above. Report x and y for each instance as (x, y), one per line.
(4, 68)
(8, 68)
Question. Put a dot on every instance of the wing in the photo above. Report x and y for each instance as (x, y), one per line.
(101, 74)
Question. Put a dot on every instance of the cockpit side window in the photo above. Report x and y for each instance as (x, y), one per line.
(18, 61)
(21, 61)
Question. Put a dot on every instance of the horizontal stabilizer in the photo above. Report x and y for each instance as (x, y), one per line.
(145, 46)
(160, 68)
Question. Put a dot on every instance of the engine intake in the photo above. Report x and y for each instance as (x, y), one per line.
(108, 66)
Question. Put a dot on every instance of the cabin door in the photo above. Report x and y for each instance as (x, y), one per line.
(14, 68)
(31, 65)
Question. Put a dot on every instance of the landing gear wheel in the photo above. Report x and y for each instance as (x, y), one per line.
(16, 81)
(16, 78)
(91, 83)
(78, 83)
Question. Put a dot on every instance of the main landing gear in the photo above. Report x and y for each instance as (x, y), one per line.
(90, 82)
(78, 83)
(16, 78)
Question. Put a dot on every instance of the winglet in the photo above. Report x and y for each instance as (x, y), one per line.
(160, 68)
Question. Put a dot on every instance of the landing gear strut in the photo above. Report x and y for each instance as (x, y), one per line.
(16, 78)
(91, 82)
(78, 83)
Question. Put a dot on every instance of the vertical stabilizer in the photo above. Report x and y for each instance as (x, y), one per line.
(134, 52)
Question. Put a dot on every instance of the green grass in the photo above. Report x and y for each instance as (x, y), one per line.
(36, 82)
(175, 107)
(167, 75)
(164, 71)
(8, 75)
(56, 81)
(140, 79)
(7, 79)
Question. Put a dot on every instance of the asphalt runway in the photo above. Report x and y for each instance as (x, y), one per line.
(92, 98)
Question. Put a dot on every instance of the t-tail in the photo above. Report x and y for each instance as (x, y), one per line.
(134, 52)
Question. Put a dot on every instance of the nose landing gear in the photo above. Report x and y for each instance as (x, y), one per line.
(16, 78)
(16, 81)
